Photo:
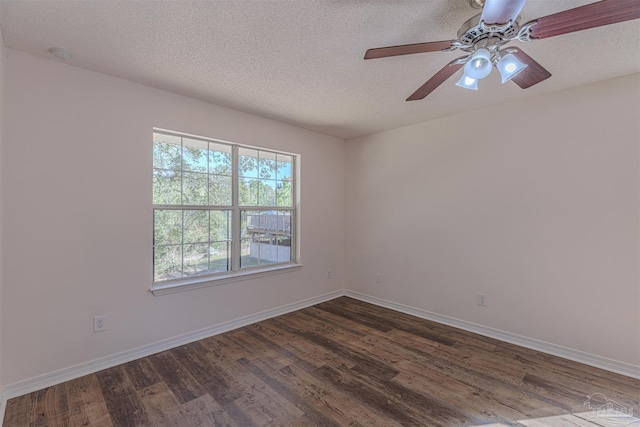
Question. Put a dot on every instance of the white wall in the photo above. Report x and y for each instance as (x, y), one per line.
(534, 203)
(77, 216)
(2, 91)
(544, 222)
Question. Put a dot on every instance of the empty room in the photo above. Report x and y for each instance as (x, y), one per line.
(320, 213)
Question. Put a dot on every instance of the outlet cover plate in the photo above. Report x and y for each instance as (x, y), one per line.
(99, 323)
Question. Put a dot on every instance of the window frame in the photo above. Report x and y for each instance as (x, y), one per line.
(236, 271)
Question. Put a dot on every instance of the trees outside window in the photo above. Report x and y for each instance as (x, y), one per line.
(219, 207)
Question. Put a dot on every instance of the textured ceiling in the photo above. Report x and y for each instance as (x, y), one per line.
(301, 62)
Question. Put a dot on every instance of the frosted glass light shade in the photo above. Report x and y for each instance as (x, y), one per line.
(479, 65)
(467, 82)
(509, 66)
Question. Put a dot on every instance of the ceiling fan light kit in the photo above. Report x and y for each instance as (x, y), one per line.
(509, 67)
(467, 82)
(478, 65)
(483, 36)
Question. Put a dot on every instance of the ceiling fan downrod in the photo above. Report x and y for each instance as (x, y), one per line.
(483, 36)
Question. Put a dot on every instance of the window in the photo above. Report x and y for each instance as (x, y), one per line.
(219, 209)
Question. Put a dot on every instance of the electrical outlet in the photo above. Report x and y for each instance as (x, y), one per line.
(378, 279)
(482, 300)
(328, 274)
(99, 323)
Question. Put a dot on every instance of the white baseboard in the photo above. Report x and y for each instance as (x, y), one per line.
(3, 405)
(627, 369)
(72, 372)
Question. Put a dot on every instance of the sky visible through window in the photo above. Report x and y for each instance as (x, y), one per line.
(193, 205)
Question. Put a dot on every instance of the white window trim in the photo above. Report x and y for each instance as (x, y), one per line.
(249, 273)
(198, 282)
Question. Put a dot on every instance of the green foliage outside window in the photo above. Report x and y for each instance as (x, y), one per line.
(193, 202)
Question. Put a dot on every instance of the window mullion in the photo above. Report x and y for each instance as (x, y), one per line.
(293, 233)
(174, 162)
(235, 216)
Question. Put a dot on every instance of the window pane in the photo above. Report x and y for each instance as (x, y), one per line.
(196, 226)
(220, 228)
(198, 240)
(266, 193)
(249, 221)
(220, 190)
(248, 191)
(194, 189)
(267, 165)
(167, 262)
(219, 159)
(284, 224)
(284, 170)
(246, 260)
(194, 155)
(267, 250)
(283, 193)
(220, 256)
(166, 187)
(262, 234)
(167, 227)
(248, 162)
(284, 248)
(195, 259)
(166, 151)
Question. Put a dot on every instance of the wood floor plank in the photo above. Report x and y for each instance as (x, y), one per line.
(378, 399)
(17, 411)
(341, 350)
(87, 406)
(238, 415)
(50, 407)
(204, 411)
(372, 398)
(161, 405)
(291, 396)
(331, 401)
(226, 346)
(222, 387)
(365, 319)
(337, 322)
(512, 378)
(142, 373)
(480, 404)
(446, 359)
(318, 394)
(398, 320)
(125, 407)
(558, 421)
(259, 396)
(261, 346)
(177, 378)
(307, 355)
(339, 363)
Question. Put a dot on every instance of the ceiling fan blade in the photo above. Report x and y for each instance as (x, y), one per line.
(501, 11)
(592, 15)
(533, 74)
(407, 49)
(435, 81)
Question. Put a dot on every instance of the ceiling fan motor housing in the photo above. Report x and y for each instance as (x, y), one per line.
(478, 37)
(473, 32)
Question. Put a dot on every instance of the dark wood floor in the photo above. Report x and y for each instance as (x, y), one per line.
(339, 363)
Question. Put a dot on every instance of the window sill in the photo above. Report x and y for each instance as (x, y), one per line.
(190, 283)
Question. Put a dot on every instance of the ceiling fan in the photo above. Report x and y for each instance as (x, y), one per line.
(485, 34)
